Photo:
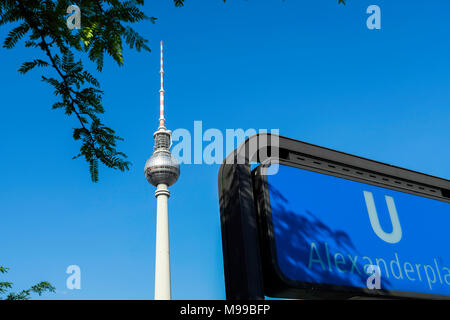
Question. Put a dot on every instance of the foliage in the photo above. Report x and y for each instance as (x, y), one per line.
(105, 28)
(39, 288)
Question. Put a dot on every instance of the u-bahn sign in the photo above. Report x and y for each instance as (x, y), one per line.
(320, 225)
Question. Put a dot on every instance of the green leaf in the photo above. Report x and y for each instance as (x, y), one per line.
(15, 35)
(3, 269)
(39, 288)
(27, 66)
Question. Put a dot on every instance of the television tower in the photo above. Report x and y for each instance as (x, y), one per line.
(162, 170)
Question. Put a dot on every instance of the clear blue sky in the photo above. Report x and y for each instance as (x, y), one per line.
(308, 68)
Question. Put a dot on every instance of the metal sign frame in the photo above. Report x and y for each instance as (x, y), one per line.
(245, 214)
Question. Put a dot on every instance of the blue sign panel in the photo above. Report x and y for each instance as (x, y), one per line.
(328, 230)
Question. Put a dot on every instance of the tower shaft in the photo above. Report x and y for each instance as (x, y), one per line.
(162, 259)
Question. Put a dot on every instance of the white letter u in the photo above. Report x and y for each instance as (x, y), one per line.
(396, 233)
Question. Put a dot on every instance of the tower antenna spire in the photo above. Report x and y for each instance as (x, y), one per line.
(162, 120)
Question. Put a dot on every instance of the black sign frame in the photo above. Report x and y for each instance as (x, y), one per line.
(249, 272)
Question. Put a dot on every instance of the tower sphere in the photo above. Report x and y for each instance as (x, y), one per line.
(162, 168)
